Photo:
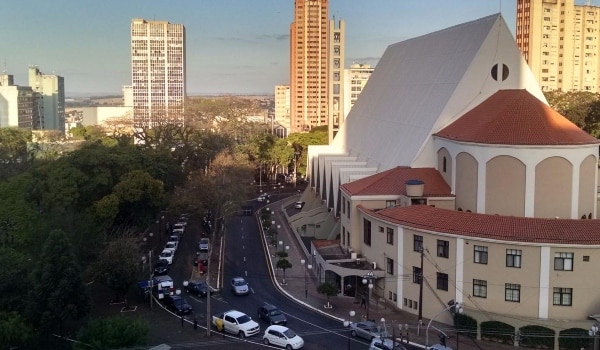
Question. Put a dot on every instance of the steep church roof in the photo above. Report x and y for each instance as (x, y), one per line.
(515, 117)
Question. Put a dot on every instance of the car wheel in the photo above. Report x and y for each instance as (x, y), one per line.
(241, 335)
(266, 341)
(353, 333)
(288, 347)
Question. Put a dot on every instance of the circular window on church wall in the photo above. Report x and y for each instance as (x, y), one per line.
(503, 74)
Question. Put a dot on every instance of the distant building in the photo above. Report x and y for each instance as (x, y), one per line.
(560, 42)
(127, 95)
(282, 105)
(101, 115)
(355, 79)
(157, 72)
(336, 73)
(16, 104)
(50, 92)
(309, 65)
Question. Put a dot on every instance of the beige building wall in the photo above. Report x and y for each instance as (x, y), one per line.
(444, 165)
(16, 104)
(553, 188)
(505, 186)
(50, 89)
(282, 105)
(466, 182)
(587, 185)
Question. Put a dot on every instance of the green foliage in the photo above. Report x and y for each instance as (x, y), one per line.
(465, 324)
(88, 133)
(15, 332)
(13, 274)
(580, 107)
(57, 292)
(14, 153)
(284, 264)
(537, 337)
(119, 264)
(113, 332)
(574, 338)
(328, 289)
(497, 331)
(282, 254)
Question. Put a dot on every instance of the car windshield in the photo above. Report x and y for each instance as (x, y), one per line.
(243, 319)
(275, 312)
(289, 333)
(239, 283)
(165, 254)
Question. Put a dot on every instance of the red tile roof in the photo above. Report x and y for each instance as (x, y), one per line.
(503, 228)
(392, 182)
(515, 117)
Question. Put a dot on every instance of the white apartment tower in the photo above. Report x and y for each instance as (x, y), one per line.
(282, 105)
(560, 41)
(336, 73)
(157, 72)
(16, 104)
(50, 104)
(355, 79)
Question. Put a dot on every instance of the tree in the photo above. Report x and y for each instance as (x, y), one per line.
(284, 264)
(113, 332)
(57, 293)
(328, 289)
(15, 332)
(14, 153)
(119, 264)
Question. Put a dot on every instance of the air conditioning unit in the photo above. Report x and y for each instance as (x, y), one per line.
(353, 255)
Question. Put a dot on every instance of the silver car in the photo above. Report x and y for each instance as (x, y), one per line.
(239, 286)
(367, 330)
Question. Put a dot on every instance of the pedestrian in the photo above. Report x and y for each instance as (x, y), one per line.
(363, 302)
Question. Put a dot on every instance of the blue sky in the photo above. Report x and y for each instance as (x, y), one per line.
(233, 46)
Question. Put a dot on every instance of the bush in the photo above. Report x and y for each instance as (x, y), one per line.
(114, 332)
(466, 325)
(574, 338)
(537, 337)
(497, 331)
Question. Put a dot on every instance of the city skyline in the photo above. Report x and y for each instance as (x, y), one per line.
(234, 46)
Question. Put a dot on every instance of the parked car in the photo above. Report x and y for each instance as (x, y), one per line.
(235, 322)
(367, 330)
(199, 288)
(271, 314)
(172, 246)
(385, 344)
(204, 245)
(167, 255)
(174, 238)
(438, 347)
(161, 267)
(178, 305)
(298, 205)
(201, 257)
(282, 336)
(239, 286)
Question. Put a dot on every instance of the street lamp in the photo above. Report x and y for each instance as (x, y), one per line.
(306, 268)
(457, 307)
(594, 332)
(368, 279)
(348, 322)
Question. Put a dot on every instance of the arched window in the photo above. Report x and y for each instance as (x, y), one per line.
(444, 164)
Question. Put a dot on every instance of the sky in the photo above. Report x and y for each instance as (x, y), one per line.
(233, 46)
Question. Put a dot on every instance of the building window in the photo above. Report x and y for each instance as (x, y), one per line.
(513, 258)
(390, 266)
(512, 292)
(343, 205)
(442, 281)
(481, 254)
(563, 296)
(418, 243)
(348, 208)
(444, 164)
(416, 275)
(563, 261)
(367, 232)
(389, 204)
(480, 288)
(380, 229)
(390, 236)
(443, 248)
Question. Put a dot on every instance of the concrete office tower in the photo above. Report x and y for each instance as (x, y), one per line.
(50, 92)
(560, 42)
(282, 105)
(336, 76)
(157, 72)
(355, 79)
(309, 64)
(16, 104)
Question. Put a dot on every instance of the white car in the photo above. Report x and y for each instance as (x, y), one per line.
(172, 246)
(167, 255)
(438, 347)
(282, 336)
(178, 231)
(385, 344)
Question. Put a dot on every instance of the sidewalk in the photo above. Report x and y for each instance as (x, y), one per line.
(301, 285)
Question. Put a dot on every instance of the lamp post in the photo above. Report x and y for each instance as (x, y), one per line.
(595, 332)
(368, 280)
(348, 322)
(457, 309)
(306, 268)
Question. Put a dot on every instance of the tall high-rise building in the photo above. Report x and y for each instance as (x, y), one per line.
(336, 76)
(355, 79)
(560, 41)
(157, 72)
(282, 105)
(16, 104)
(309, 65)
(50, 103)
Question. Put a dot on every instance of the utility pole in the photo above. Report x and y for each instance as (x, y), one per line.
(421, 276)
(151, 280)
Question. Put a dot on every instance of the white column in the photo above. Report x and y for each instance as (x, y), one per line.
(460, 270)
(575, 191)
(529, 189)
(481, 185)
(543, 297)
